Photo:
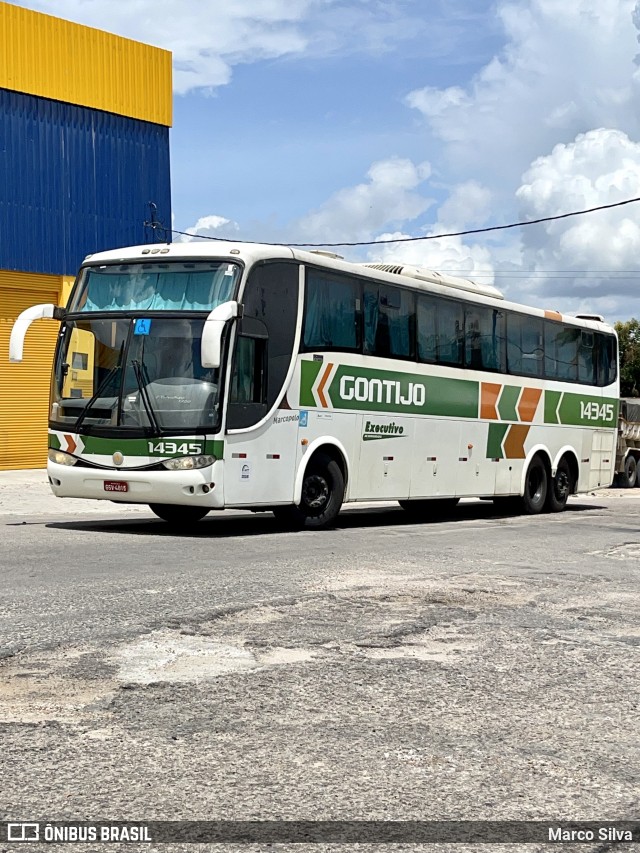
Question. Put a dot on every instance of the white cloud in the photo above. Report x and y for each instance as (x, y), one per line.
(591, 254)
(390, 196)
(209, 37)
(551, 124)
(449, 255)
(210, 226)
(566, 68)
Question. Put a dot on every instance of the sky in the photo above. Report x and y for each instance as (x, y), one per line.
(327, 121)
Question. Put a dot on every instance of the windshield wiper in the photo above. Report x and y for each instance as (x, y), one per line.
(144, 394)
(100, 389)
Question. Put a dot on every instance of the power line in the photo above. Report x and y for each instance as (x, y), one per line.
(159, 225)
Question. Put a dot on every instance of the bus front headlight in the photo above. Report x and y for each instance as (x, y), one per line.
(188, 463)
(61, 458)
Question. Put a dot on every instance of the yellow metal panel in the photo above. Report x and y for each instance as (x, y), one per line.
(65, 291)
(47, 56)
(24, 388)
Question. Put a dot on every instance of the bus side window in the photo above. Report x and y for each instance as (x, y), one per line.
(607, 359)
(450, 324)
(587, 358)
(389, 318)
(247, 380)
(332, 313)
(484, 338)
(561, 351)
(249, 375)
(426, 329)
(524, 345)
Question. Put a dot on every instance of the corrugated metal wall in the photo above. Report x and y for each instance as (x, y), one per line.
(24, 388)
(74, 181)
(53, 58)
(84, 147)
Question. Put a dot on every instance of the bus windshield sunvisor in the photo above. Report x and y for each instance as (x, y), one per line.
(198, 286)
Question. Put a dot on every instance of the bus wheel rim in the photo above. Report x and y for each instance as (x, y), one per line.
(562, 485)
(315, 492)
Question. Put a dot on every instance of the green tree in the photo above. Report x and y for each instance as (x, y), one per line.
(629, 344)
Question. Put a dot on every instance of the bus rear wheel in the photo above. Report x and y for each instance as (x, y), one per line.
(560, 488)
(175, 514)
(535, 487)
(321, 497)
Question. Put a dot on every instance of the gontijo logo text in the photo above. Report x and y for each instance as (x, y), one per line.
(337, 386)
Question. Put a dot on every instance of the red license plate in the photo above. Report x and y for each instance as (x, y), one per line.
(115, 486)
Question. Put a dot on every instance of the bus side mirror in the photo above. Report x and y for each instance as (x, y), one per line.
(211, 342)
(24, 320)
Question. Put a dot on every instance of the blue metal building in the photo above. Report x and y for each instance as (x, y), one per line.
(84, 152)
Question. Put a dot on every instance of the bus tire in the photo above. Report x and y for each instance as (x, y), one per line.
(628, 477)
(321, 497)
(535, 488)
(560, 488)
(176, 514)
(422, 509)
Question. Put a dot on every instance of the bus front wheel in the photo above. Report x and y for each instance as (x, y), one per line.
(321, 497)
(175, 514)
(535, 487)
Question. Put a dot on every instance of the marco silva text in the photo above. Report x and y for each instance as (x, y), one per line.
(589, 833)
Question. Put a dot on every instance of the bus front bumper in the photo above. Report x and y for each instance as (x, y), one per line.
(200, 487)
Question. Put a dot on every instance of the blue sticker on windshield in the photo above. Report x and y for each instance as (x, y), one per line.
(142, 327)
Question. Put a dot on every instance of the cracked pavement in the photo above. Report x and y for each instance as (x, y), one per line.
(478, 666)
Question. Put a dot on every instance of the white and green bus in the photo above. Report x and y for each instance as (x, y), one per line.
(193, 377)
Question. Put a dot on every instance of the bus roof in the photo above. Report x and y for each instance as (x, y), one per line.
(416, 278)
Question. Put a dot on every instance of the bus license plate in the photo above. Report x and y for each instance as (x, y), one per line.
(116, 486)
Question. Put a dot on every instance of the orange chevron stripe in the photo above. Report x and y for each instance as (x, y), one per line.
(513, 444)
(323, 382)
(489, 393)
(528, 404)
(71, 444)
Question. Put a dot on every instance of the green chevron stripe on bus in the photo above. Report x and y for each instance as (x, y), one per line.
(495, 438)
(561, 407)
(150, 447)
(368, 389)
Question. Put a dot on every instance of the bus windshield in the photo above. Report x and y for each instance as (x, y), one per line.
(138, 374)
(149, 286)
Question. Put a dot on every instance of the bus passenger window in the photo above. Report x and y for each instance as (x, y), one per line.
(426, 329)
(561, 351)
(450, 323)
(247, 381)
(606, 357)
(524, 345)
(332, 313)
(388, 321)
(587, 359)
(484, 338)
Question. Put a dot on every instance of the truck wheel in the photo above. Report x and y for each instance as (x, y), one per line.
(629, 476)
(560, 488)
(535, 487)
(175, 514)
(321, 498)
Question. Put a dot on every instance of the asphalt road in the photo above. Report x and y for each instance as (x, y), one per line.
(477, 667)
